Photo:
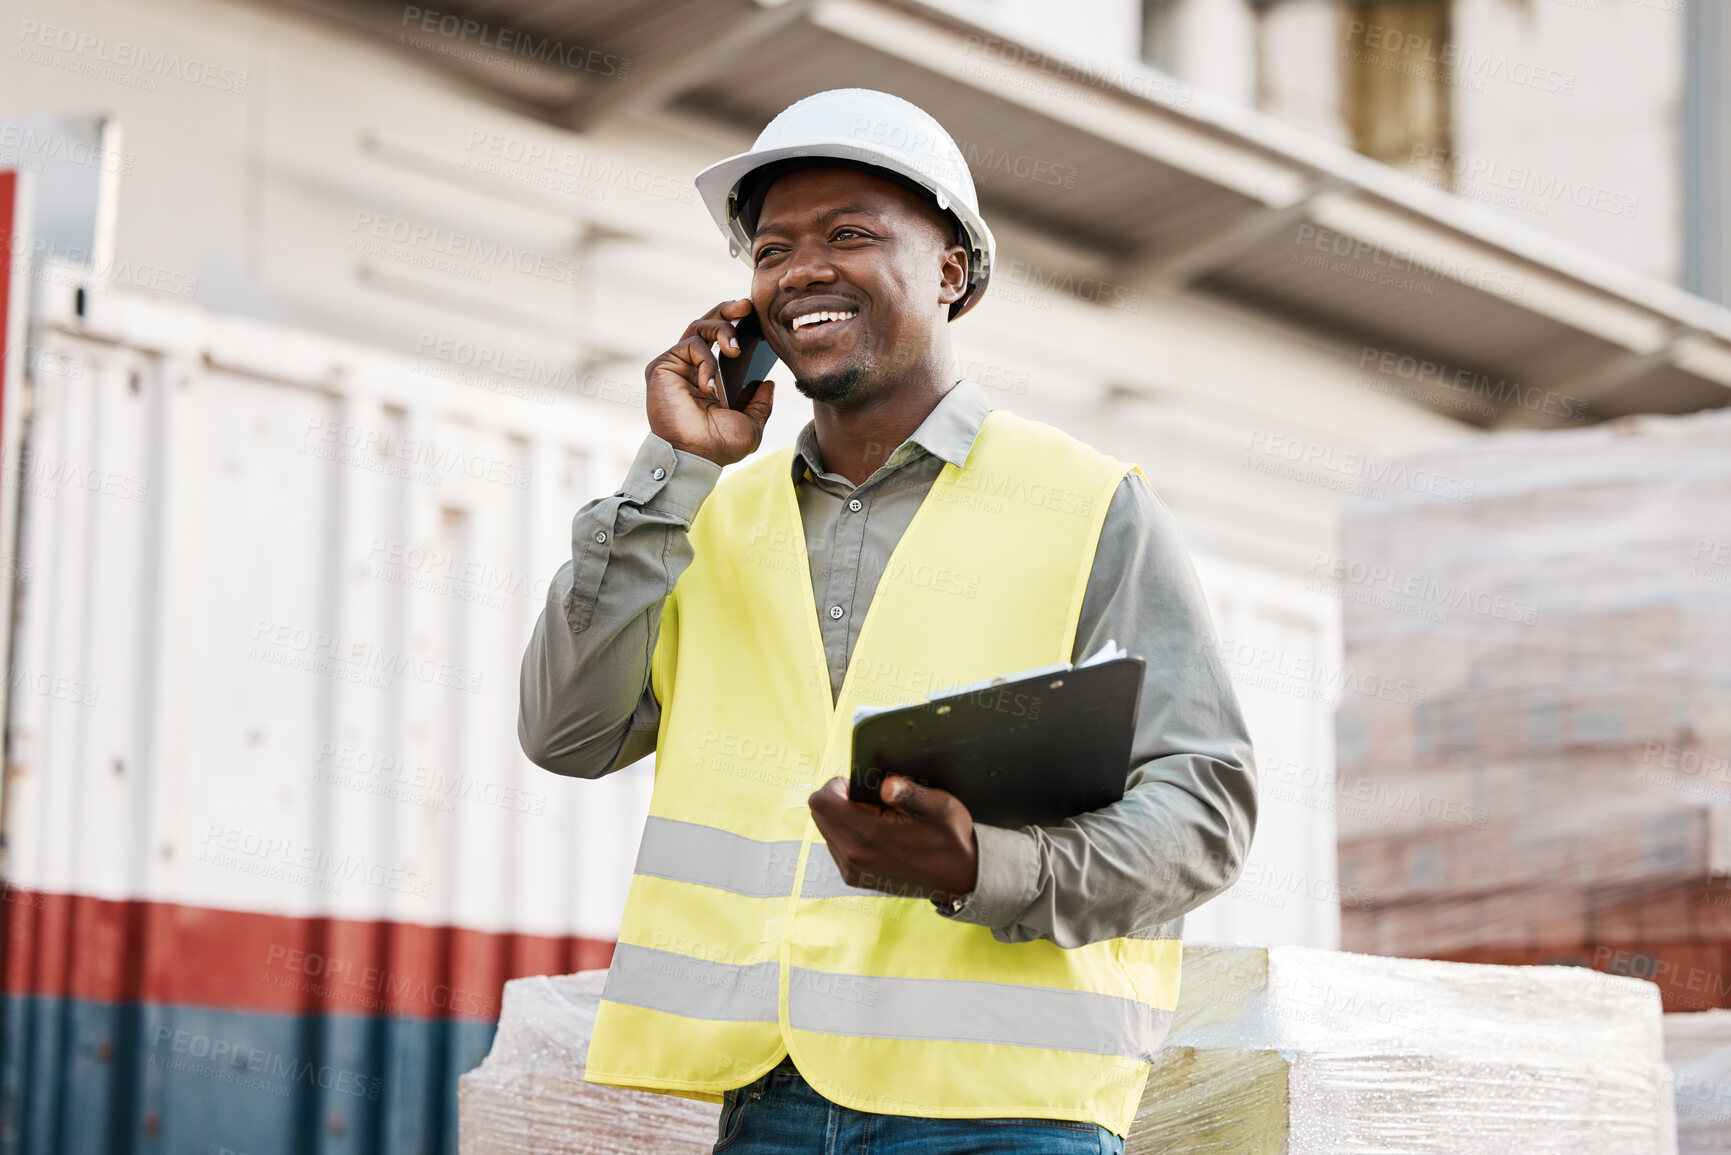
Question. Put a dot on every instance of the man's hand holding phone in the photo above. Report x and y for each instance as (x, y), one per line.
(687, 401)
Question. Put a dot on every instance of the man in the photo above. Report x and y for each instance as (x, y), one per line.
(844, 976)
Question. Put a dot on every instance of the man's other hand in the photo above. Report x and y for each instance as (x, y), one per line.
(684, 395)
(921, 845)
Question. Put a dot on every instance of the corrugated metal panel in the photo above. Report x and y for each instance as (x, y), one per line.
(264, 714)
(1268, 631)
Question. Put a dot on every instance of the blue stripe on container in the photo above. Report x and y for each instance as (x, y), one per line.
(85, 1078)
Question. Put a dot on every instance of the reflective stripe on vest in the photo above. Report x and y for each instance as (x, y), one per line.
(677, 984)
(960, 1010)
(740, 942)
(702, 855)
(888, 1008)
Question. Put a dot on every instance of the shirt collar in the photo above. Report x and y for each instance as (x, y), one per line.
(948, 432)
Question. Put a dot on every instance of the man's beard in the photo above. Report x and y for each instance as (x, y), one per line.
(832, 388)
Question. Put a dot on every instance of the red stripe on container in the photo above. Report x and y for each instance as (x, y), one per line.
(69, 945)
(8, 225)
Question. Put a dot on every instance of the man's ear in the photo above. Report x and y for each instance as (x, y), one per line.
(955, 275)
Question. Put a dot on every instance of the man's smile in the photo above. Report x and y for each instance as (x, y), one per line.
(815, 328)
(821, 317)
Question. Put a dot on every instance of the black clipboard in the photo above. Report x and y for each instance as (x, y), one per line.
(1033, 750)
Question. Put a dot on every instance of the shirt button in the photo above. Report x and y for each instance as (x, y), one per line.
(855, 505)
(659, 474)
(601, 536)
(835, 613)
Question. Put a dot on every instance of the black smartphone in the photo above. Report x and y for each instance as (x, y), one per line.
(752, 364)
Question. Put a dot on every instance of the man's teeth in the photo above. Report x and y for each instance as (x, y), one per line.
(814, 318)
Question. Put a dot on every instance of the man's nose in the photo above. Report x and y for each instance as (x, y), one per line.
(808, 265)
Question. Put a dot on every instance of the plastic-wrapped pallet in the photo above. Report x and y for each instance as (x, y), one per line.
(1273, 1051)
(1551, 780)
(1698, 1047)
(528, 1096)
(1294, 1051)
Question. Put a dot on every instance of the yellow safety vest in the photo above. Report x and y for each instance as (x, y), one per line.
(740, 942)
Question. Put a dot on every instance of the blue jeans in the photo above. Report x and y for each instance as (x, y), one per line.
(780, 1114)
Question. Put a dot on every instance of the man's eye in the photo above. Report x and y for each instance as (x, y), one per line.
(843, 234)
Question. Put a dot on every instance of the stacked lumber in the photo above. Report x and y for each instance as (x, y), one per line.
(1558, 788)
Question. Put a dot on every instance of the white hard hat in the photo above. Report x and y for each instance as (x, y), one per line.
(865, 127)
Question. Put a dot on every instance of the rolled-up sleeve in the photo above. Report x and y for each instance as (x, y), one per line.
(1182, 831)
(585, 707)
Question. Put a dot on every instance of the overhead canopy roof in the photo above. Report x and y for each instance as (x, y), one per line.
(1172, 189)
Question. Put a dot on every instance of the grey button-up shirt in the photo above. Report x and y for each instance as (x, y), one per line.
(1182, 831)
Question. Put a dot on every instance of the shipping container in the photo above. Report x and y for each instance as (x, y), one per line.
(272, 847)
